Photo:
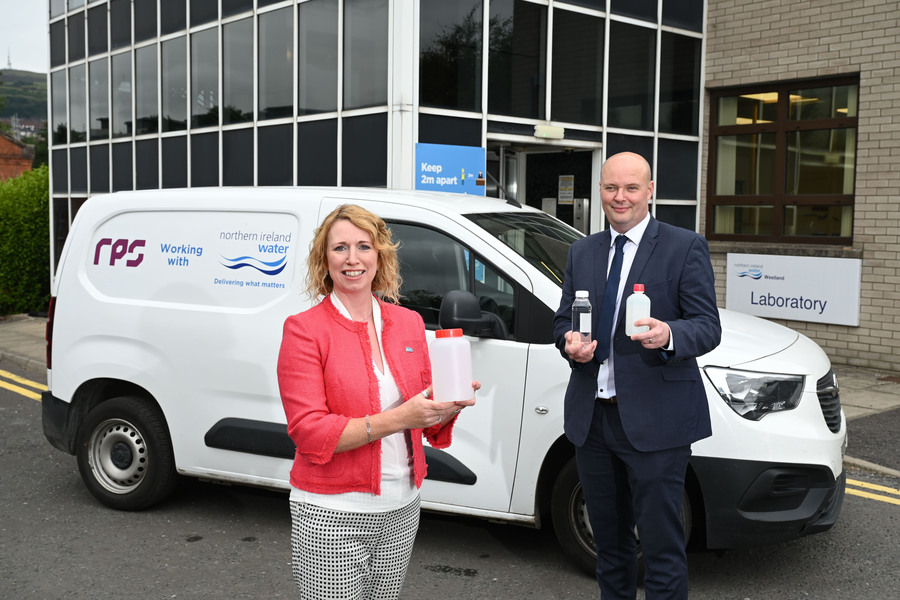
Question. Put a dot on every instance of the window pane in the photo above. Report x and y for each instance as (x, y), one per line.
(237, 72)
(450, 59)
(57, 7)
(364, 151)
(99, 91)
(680, 216)
(76, 37)
(144, 20)
(276, 153)
(205, 78)
(617, 142)
(146, 109)
(233, 7)
(60, 225)
(748, 109)
(639, 9)
(97, 30)
(172, 16)
(824, 103)
(174, 85)
(99, 168)
(77, 104)
(686, 14)
(434, 129)
(174, 159)
(632, 66)
(676, 177)
(121, 95)
(317, 153)
(147, 159)
(60, 172)
(276, 84)
(517, 60)
(204, 11)
(821, 161)
(365, 53)
(122, 167)
(826, 221)
(58, 43)
(59, 124)
(577, 94)
(317, 56)
(205, 160)
(78, 169)
(745, 164)
(237, 157)
(120, 23)
(76, 3)
(679, 84)
(744, 220)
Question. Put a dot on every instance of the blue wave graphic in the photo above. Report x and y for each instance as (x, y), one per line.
(267, 268)
(753, 274)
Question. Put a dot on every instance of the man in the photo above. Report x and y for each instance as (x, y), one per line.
(635, 404)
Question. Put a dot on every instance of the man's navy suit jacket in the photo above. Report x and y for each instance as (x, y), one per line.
(662, 402)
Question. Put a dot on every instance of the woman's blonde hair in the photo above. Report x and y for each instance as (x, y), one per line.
(387, 278)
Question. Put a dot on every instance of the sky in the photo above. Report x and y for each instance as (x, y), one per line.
(23, 35)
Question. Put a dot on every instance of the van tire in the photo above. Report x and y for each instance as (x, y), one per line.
(125, 455)
(573, 531)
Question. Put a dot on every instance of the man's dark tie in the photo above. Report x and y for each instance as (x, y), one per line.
(608, 304)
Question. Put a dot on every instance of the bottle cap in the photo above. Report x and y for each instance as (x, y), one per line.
(447, 333)
(639, 287)
(581, 294)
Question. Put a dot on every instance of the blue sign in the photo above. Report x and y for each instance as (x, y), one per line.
(443, 168)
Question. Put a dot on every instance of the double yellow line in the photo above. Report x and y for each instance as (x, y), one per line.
(890, 499)
(18, 389)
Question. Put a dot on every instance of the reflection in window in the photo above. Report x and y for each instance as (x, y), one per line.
(146, 116)
(237, 72)
(317, 59)
(99, 92)
(745, 164)
(821, 161)
(57, 43)
(517, 64)
(830, 102)
(58, 124)
(577, 94)
(205, 78)
(365, 53)
(174, 85)
(450, 58)
(632, 67)
(744, 220)
(747, 109)
(121, 95)
(679, 84)
(77, 104)
(76, 37)
(824, 221)
(276, 63)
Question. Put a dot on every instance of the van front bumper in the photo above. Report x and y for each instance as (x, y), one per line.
(55, 421)
(750, 503)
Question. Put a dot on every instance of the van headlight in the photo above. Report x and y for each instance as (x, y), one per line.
(753, 395)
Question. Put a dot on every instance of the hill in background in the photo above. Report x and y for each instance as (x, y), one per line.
(25, 94)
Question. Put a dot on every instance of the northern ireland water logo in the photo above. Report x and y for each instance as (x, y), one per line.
(267, 268)
(751, 273)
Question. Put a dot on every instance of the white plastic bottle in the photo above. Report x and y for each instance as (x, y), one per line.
(581, 316)
(636, 307)
(451, 366)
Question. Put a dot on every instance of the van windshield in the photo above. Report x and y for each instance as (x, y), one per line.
(539, 238)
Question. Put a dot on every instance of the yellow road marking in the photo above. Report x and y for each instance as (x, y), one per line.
(873, 486)
(874, 496)
(870, 495)
(23, 381)
(20, 390)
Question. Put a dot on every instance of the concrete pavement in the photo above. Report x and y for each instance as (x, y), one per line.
(864, 393)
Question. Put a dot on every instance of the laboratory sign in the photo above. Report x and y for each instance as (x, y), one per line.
(799, 288)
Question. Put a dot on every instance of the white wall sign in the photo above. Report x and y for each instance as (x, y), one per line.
(799, 288)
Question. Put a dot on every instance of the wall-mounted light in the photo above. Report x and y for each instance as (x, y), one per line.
(549, 132)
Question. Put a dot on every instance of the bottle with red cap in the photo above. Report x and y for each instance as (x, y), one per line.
(451, 366)
(636, 307)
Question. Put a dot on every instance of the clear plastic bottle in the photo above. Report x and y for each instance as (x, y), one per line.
(636, 307)
(451, 366)
(581, 317)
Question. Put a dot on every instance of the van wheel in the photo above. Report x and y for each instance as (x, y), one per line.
(125, 454)
(573, 530)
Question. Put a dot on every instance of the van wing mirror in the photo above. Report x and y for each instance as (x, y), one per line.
(461, 310)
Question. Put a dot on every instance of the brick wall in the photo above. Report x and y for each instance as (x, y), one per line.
(15, 158)
(776, 40)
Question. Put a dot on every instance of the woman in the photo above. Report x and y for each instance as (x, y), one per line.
(355, 382)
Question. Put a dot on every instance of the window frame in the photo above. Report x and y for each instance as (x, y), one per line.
(782, 128)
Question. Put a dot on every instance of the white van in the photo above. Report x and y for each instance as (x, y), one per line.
(166, 323)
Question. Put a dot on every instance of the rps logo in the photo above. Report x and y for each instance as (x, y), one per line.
(120, 249)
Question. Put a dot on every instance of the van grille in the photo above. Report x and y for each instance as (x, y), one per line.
(830, 400)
